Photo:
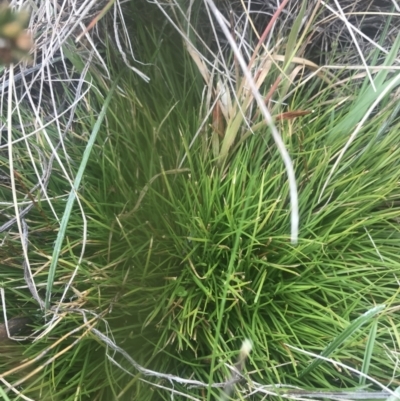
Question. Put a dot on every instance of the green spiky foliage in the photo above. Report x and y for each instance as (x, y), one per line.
(182, 263)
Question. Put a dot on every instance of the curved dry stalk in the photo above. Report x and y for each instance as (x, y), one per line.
(268, 119)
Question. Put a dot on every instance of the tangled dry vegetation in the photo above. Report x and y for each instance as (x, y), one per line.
(199, 200)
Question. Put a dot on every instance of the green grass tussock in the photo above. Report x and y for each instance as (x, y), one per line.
(181, 263)
(207, 252)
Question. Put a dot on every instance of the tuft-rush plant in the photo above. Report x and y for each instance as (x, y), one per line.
(160, 251)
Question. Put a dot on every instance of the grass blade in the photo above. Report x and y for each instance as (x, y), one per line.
(348, 332)
(72, 196)
(368, 352)
(3, 395)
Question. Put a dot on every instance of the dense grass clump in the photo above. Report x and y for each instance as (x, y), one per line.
(176, 250)
(204, 254)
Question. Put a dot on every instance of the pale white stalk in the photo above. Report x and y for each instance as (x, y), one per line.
(268, 119)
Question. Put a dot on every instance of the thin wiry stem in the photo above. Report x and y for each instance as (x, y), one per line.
(355, 29)
(22, 232)
(348, 25)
